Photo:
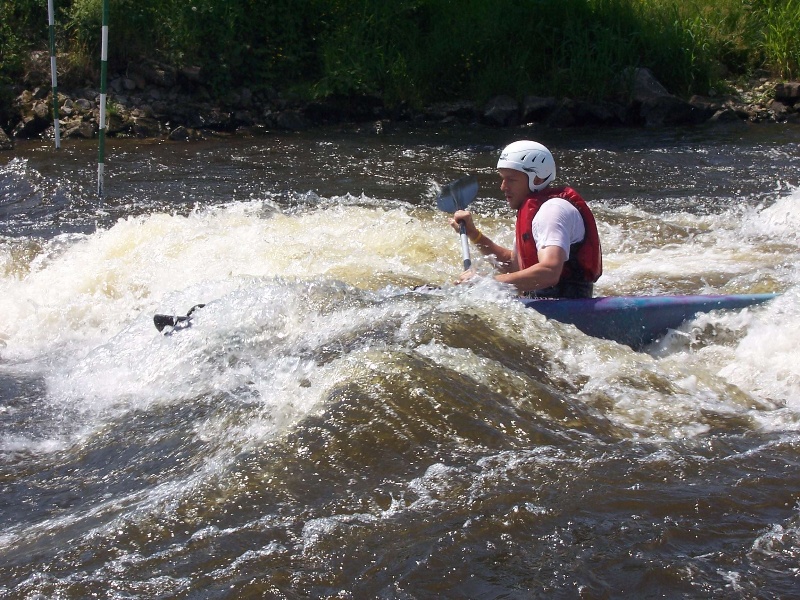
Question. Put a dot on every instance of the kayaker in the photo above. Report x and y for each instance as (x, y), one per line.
(557, 251)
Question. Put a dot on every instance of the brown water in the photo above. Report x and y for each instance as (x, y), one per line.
(324, 431)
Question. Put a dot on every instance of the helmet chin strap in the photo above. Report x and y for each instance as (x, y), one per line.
(538, 184)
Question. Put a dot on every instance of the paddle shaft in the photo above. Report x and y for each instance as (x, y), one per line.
(465, 247)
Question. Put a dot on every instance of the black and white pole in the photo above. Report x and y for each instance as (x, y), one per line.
(51, 21)
(103, 80)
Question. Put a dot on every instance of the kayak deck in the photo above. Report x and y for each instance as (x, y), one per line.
(637, 320)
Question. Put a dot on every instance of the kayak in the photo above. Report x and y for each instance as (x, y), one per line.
(637, 320)
(632, 320)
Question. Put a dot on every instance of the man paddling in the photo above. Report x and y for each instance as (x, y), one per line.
(557, 251)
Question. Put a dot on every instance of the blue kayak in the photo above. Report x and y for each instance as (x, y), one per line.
(632, 320)
(637, 320)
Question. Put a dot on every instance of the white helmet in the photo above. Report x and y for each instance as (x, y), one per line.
(531, 158)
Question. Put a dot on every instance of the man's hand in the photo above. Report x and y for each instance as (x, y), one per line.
(542, 275)
(463, 216)
(465, 276)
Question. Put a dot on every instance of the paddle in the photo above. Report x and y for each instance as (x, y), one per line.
(175, 321)
(454, 196)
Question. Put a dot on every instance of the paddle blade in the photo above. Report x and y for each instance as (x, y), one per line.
(174, 321)
(163, 321)
(457, 194)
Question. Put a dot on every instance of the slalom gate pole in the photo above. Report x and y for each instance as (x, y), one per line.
(51, 22)
(103, 81)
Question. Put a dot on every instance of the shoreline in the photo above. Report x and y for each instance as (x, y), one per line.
(156, 101)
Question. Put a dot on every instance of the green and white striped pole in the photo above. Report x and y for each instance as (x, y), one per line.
(51, 21)
(103, 79)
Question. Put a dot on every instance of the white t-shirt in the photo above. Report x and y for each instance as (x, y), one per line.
(558, 223)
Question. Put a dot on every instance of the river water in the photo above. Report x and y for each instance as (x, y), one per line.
(325, 431)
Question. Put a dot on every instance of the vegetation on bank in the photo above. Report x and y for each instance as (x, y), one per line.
(415, 51)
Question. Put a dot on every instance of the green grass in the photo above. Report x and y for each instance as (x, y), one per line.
(421, 51)
(781, 40)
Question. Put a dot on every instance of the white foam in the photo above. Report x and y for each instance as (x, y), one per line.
(80, 310)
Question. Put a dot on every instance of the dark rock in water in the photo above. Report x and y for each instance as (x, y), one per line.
(644, 85)
(563, 115)
(339, 108)
(5, 141)
(709, 106)
(654, 106)
(80, 129)
(779, 110)
(179, 134)
(30, 127)
(116, 124)
(578, 113)
(145, 127)
(668, 110)
(725, 115)
(291, 120)
(502, 111)
(536, 109)
(458, 110)
(788, 93)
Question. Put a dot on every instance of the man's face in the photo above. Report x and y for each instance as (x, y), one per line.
(514, 184)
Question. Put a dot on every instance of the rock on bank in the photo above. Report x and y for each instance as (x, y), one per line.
(154, 100)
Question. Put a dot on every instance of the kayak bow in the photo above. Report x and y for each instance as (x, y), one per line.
(637, 320)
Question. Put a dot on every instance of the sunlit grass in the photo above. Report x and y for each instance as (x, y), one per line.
(420, 51)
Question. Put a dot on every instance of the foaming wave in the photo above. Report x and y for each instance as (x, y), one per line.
(85, 287)
(743, 249)
(765, 361)
(778, 222)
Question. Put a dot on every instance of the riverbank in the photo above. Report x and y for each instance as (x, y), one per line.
(152, 100)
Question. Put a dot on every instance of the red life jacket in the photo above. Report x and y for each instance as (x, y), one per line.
(585, 258)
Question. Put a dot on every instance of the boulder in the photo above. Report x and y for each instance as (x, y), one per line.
(644, 85)
(669, 110)
(5, 141)
(82, 105)
(787, 93)
(80, 129)
(30, 126)
(243, 118)
(339, 108)
(502, 111)
(579, 113)
(710, 105)
(291, 120)
(145, 127)
(460, 110)
(536, 109)
(779, 109)
(725, 115)
(654, 106)
(563, 115)
(117, 122)
(189, 77)
(599, 113)
(179, 134)
(154, 73)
